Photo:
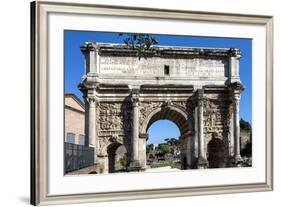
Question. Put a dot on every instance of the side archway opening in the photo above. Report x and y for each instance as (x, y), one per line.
(216, 152)
(117, 158)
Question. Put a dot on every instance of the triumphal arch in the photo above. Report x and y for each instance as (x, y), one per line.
(196, 88)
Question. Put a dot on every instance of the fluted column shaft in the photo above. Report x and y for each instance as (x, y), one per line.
(236, 127)
(135, 132)
(202, 162)
(236, 90)
(92, 123)
(200, 128)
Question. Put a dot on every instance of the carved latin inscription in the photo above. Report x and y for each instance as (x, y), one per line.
(192, 68)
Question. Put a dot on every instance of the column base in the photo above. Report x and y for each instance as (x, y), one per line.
(135, 166)
(237, 161)
(202, 163)
(102, 161)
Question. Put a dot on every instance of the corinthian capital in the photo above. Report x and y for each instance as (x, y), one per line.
(235, 52)
(236, 90)
(91, 96)
(237, 86)
(200, 97)
(135, 97)
(90, 99)
(89, 46)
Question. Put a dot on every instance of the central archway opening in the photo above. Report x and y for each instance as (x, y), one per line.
(161, 130)
(163, 150)
(169, 135)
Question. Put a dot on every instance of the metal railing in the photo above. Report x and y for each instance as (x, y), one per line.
(77, 157)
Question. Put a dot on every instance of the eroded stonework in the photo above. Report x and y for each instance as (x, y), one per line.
(114, 124)
(181, 66)
(146, 108)
(200, 94)
(216, 116)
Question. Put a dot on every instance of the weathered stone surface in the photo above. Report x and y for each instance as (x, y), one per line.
(154, 67)
(197, 94)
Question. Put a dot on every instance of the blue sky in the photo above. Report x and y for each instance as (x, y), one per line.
(161, 129)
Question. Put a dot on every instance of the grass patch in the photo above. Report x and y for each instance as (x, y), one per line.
(165, 164)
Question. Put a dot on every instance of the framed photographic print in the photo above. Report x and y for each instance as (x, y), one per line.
(136, 103)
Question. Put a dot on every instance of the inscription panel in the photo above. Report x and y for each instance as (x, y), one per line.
(131, 66)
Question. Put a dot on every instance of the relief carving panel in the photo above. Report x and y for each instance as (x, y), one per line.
(109, 116)
(216, 117)
(146, 108)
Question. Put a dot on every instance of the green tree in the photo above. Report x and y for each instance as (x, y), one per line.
(140, 42)
(164, 148)
(244, 125)
(149, 148)
(172, 141)
(124, 161)
(151, 156)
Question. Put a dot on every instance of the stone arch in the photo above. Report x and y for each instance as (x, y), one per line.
(172, 113)
(183, 122)
(121, 158)
(111, 150)
(216, 153)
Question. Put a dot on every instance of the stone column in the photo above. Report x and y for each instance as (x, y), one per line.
(202, 162)
(90, 122)
(102, 165)
(237, 88)
(195, 138)
(135, 165)
(88, 87)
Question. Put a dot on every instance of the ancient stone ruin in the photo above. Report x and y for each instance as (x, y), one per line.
(196, 88)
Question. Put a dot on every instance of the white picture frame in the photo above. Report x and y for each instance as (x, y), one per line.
(46, 184)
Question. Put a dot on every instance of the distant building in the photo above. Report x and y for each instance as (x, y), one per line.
(74, 119)
(154, 146)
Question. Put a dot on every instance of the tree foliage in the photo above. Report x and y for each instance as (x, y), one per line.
(140, 42)
(124, 161)
(247, 151)
(164, 148)
(172, 141)
(244, 125)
